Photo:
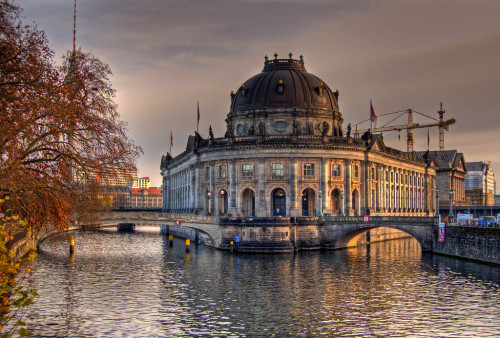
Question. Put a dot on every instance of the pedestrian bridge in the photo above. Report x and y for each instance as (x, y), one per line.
(333, 232)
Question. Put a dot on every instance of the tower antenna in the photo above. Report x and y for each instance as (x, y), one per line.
(74, 31)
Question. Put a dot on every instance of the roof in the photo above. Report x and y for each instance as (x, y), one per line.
(475, 166)
(284, 83)
(447, 159)
(151, 191)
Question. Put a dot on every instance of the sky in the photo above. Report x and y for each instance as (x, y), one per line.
(167, 55)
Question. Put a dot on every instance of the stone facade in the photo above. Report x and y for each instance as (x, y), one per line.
(285, 154)
(450, 176)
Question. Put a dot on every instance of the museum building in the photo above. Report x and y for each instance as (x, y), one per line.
(286, 153)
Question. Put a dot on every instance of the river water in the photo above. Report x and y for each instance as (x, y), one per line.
(136, 285)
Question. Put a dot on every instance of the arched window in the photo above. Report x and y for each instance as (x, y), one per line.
(279, 202)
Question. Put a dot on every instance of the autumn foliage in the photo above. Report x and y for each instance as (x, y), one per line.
(60, 132)
(61, 138)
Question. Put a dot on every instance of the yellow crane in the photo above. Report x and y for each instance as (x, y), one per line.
(441, 123)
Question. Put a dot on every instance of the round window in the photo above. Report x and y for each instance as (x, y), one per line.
(280, 126)
(240, 129)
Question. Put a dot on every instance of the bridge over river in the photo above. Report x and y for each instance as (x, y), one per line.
(278, 234)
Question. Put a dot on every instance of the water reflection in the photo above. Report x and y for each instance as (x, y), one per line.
(135, 284)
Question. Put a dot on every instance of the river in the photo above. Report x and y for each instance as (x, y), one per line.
(136, 285)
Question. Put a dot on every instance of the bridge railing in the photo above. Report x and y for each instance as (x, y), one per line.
(283, 221)
(380, 219)
(160, 217)
(269, 221)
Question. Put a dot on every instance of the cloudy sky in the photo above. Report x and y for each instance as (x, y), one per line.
(168, 54)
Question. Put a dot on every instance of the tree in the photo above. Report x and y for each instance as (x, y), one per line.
(61, 138)
(60, 130)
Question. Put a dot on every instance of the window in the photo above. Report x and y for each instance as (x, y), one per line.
(240, 129)
(280, 88)
(308, 169)
(373, 173)
(280, 126)
(336, 170)
(355, 171)
(392, 177)
(207, 173)
(386, 176)
(278, 169)
(397, 178)
(247, 170)
(222, 171)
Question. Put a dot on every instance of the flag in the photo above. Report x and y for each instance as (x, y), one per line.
(428, 139)
(171, 139)
(373, 117)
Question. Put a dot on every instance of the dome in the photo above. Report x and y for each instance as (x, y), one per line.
(284, 84)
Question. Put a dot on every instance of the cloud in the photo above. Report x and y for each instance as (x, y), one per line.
(167, 55)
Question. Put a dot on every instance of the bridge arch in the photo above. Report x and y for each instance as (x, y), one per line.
(350, 232)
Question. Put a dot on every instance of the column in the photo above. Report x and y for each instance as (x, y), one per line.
(367, 198)
(197, 184)
(323, 173)
(211, 189)
(260, 201)
(293, 179)
(347, 192)
(232, 188)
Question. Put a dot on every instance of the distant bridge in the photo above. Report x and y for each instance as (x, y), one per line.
(208, 226)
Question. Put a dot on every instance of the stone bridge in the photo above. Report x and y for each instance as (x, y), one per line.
(207, 226)
(286, 234)
(342, 232)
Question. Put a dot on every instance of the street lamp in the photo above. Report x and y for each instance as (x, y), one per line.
(320, 213)
(222, 201)
(437, 203)
(341, 203)
(450, 215)
(208, 196)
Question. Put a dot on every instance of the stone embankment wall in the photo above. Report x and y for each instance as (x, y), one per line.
(481, 244)
(180, 231)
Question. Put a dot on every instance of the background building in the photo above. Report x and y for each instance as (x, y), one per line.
(141, 182)
(480, 184)
(450, 176)
(139, 198)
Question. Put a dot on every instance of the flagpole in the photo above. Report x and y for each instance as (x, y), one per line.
(198, 117)
(371, 120)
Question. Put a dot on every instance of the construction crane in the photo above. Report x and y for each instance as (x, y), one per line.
(441, 123)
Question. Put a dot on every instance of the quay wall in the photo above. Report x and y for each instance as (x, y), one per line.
(476, 243)
(180, 231)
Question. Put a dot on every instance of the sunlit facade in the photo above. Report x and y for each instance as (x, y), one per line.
(286, 153)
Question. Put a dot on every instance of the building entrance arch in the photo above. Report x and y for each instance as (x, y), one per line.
(279, 202)
(248, 203)
(308, 202)
(208, 204)
(335, 201)
(222, 202)
(355, 202)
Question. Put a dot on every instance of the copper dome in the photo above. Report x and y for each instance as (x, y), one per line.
(284, 84)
